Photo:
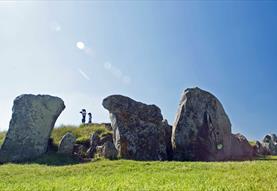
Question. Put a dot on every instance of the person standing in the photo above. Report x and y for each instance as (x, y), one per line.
(84, 113)
(89, 118)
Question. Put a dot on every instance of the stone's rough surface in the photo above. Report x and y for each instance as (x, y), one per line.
(106, 138)
(138, 129)
(241, 149)
(67, 144)
(270, 138)
(270, 143)
(107, 150)
(94, 142)
(202, 129)
(260, 149)
(168, 133)
(32, 121)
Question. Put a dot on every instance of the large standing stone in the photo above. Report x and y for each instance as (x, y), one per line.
(241, 149)
(32, 121)
(138, 129)
(67, 144)
(202, 129)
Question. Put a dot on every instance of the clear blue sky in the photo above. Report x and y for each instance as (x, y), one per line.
(150, 51)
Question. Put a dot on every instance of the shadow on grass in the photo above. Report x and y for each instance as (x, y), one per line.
(54, 159)
(266, 158)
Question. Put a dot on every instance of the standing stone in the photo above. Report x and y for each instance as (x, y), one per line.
(106, 138)
(270, 138)
(202, 129)
(94, 142)
(270, 143)
(168, 133)
(138, 130)
(260, 149)
(241, 149)
(108, 150)
(67, 144)
(32, 121)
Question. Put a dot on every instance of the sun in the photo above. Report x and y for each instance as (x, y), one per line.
(80, 45)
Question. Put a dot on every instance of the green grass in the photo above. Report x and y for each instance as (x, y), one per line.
(252, 143)
(53, 172)
(133, 175)
(82, 132)
(2, 136)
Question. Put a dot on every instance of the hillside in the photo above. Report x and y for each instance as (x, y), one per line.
(82, 132)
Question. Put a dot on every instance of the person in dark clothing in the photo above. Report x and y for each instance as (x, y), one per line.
(84, 113)
(89, 118)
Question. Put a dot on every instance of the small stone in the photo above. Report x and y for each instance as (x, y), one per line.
(108, 150)
(270, 143)
(94, 142)
(241, 149)
(67, 144)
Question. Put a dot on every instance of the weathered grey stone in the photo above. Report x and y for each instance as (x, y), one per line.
(94, 142)
(260, 149)
(106, 138)
(270, 138)
(138, 130)
(32, 121)
(67, 144)
(241, 149)
(107, 150)
(270, 143)
(167, 135)
(202, 129)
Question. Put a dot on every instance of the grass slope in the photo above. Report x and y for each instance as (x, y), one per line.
(133, 175)
(82, 132)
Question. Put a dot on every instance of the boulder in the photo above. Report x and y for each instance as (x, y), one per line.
(138, 129)
(270, 138)
(202, 129)
(107, 150)
(106, 138)
(94, 142)
(270, 143)
(260, 149)
(80, 152)
(241, 149)
(33, 119)
(67, 144)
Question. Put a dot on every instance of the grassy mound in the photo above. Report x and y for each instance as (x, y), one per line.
(82, 132)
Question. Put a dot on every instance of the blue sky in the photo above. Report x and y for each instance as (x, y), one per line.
(150, 51)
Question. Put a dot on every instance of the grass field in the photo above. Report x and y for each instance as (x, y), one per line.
(53, 172)
(132, 175)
